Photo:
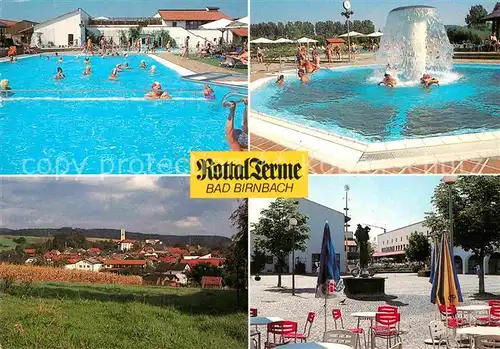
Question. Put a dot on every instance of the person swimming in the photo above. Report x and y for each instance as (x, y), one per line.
(86, 60)
(126, 66)
(153, 69)
(119, 67)
(281, 80)
(309, 67)
(88, 70)
(143, 64)
(427, 80)
(157, 93)
(388, 81)
(302, 76)
(60, 60)
(208, 92)
(237, 138)
(5, 89)
(60, 75)
(114, 74)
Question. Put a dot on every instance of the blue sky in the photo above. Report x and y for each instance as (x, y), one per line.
(451, 12)
(386, 201)
(42, 10)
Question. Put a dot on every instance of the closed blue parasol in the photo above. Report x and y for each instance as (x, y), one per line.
(329, 280)
(445, 286)
(434, 257)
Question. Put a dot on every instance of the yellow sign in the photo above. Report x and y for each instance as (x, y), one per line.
(249, 174)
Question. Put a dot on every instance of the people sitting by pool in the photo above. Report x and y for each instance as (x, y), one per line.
(143, 64)
(88, 70)
(303, 76)
(157, 92)
(208, 92)
(60, 75)
(86, 60)
(388, 81)
(152, 70)
(236, 138)
(281, 80)
(427, 80)
(114, 74)
(13, 60)
(5, 89)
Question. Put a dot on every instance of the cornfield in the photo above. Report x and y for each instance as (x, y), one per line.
(28, 273)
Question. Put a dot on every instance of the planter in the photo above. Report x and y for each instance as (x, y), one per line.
(369, 287)
(424, 273)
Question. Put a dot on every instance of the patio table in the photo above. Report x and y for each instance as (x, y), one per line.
(317, 345)
(473, 308)
(264, 320)
(478, 331)
(366, 315)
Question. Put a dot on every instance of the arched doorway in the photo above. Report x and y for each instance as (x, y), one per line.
(471, 264)
(459, 265)
(494, 264)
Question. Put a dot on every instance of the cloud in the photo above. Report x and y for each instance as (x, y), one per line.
(146, 204)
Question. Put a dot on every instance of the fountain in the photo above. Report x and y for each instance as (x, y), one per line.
(415, 41)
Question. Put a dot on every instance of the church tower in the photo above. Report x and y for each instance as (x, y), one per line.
(122, 234)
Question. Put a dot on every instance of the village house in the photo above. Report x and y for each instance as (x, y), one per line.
(117, 264)
(30, 251)
(153, 241)
(88, 264)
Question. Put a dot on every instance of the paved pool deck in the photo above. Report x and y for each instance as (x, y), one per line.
(329, 153)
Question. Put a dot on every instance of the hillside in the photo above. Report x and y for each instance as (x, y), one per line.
(209, 241)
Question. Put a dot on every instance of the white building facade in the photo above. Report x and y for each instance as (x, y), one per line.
(394, 243)
(86, 265)
(65, 30)
(318, 215)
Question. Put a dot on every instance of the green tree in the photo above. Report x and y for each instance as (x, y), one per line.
(473, 18)
(21, 240)
(201, 270)
(236, 265)
(134, 33)
(258, 261)
(419, 248)
(476, 215)
(273, 232)
(363, 239)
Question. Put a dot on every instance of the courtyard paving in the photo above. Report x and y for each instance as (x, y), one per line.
(413, 300)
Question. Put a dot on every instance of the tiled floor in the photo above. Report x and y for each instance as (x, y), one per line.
(474, 166)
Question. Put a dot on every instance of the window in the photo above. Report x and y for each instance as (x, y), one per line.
(174, 24)
(401, 239)
(392, 240)
(406, 237)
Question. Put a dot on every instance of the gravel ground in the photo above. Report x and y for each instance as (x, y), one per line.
(413, 300)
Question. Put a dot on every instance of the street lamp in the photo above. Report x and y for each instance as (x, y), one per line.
(292, 222)
(449, 181)
(347, 14)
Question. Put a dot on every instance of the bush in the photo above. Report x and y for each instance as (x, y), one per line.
(6, 284)
(458, 35)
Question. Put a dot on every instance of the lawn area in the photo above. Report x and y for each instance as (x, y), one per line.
(70, 315)
(6, 243)
(216, 63)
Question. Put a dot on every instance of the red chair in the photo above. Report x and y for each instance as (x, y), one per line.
(387, 309)
(253, 312)
(307, 329)
(494, 302)
(450, 318)
(387, 327)
(494, 316)
(337, 315)
(279, 330)
(485, 320)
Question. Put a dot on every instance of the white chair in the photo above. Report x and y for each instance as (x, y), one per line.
(340, 337)
(438, 334)
(487, 342)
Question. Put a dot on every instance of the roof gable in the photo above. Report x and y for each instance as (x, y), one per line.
(209, 14)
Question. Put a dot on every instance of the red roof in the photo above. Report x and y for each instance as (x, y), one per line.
(385, 254)
(192, 15)
(128, 241)
(72, 260)
(216, 262)
(174, 250)
(168, 259)
(243, 32)
(335, 41)
(7, 22)
(95, 249)
(124, 262)
(29, 251)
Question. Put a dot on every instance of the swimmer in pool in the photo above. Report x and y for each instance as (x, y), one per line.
(388, 81)
(88, 70)
(236, 138)
(126, 66)
(114, 74)
(157, 92)
(13, 60)
(119, 67)
(5, 89)
(143, 64)
(427, 80)
(309, 67)
(60, 75)
(48, 58)
(153, 69)
(281, 80)
(208, 92)
(60, 60)
(302, 76)
(86, 60)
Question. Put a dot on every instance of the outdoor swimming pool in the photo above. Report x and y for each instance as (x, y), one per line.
(348, 102)
(91, 125)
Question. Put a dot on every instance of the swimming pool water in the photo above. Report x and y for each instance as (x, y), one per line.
(90, 125)
(347, 102)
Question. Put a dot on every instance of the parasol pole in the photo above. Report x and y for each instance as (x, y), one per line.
(325, 314)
